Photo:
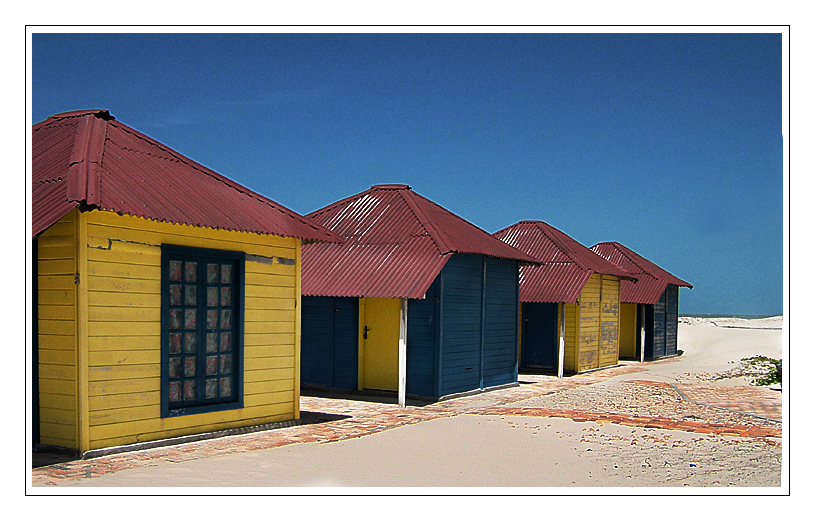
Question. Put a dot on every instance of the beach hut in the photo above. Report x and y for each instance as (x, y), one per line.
(166, 295)
(415, 300)
(649, 312)
(569, 303)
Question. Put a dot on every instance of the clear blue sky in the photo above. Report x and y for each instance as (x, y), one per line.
(668, 143)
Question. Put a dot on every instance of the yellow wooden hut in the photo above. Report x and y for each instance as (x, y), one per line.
(166, 295)
(569, 318)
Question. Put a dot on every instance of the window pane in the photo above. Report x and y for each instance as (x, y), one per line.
(226, 319)
(212, 296)
(212, 388)
(212, 319)
(175, 294)
(226, 296)
(175, 271)
(189, 389)
(212, 274)
(175, 367)
(190, 295)
(175, 343)
(175, 319)
(226, 274)
(189, 366)
(190, 271)
(226, 342)
(212, 342)
(190, 319)
(226, 387)
(190, 343)
(212, 365)
(226, 364)
(175, 391)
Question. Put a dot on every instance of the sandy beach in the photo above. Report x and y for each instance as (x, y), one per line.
(512, 439)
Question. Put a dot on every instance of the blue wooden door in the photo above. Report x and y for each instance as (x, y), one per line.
(329, 340)
(539, 336)
(316, 341)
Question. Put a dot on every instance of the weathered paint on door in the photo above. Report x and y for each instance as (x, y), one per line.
(609, 321)
(628, 330)
(380, 343)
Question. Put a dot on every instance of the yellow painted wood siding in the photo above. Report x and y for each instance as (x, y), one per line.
(124, 327)
(57, 333)
(570, 341)
(589, 338)
(609, 321)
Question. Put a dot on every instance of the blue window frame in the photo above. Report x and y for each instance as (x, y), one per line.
(201, 330)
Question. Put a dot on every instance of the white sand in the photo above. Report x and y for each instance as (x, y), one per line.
(716, 345)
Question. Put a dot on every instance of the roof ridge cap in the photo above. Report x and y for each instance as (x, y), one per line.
(433, 232)
(625, 250)
(559, 243)
(465, 221)
(85, 164)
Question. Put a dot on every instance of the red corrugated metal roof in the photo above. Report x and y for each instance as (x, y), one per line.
(567, 264)
(396, 243)
(651, 279)
(87, 158)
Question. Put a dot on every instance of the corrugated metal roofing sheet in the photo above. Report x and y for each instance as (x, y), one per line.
(651, 279)
(396, 243)
(89, 158)
(567, 264)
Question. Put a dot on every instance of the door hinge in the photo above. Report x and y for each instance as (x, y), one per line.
(76, 278)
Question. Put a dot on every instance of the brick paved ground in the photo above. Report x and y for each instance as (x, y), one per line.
(334, 419)
(757, 401)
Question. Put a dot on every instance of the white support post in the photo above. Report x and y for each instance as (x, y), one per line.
(561, 352)
(403, 352)
(641, 309)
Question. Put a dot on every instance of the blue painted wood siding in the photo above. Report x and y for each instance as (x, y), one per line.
(671, 318)
(479, 313)
(423, 342)
(661, 325)
(329, 339)
(659, 328)
(500, 363)
(461, 324)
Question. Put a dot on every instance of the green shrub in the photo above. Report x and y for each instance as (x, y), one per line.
(767, 371)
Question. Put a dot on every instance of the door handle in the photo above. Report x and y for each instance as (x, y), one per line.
(365, 333)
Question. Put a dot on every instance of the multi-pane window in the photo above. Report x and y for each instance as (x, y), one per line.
(201, 330)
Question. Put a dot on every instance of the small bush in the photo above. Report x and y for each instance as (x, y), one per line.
(767, 371)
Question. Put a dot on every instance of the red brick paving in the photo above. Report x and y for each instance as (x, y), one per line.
(757, 401)
(356, 418)
(636, 421)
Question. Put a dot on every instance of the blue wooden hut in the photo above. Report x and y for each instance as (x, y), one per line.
(417, 300)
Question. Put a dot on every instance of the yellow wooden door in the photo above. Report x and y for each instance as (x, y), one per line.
(380, 353)
(628, 330)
